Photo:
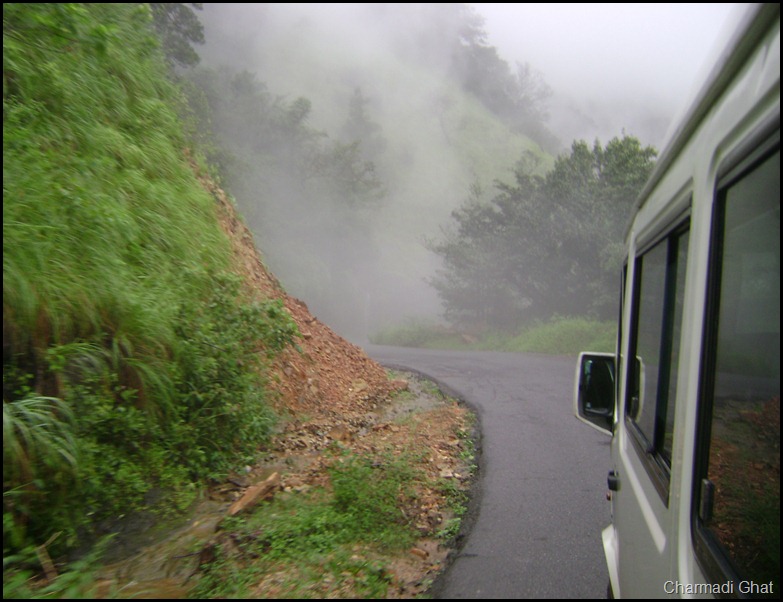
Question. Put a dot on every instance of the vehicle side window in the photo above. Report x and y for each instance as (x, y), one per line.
(738, 511)
(655, 342)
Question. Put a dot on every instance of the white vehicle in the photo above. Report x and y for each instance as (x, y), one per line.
(691, 397)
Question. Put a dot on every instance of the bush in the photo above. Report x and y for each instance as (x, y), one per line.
(563, 336)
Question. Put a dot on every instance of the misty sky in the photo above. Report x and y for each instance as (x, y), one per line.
(613, 69)
(629, 57)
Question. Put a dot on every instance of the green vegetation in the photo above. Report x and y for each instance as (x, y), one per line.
(457, 496)
(75, 582)
(545, 246)
(558, 336)
(131, 357)
(314, 537)
(346, 537)
(178, 27)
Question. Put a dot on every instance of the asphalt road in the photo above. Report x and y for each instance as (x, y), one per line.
(541, 506)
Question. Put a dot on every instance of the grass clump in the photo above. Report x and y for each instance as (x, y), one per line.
(369, 493)
(456, 494)
(560, 336)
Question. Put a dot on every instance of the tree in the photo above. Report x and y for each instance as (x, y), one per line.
(532, 92)
(360, 129)
(475, 284)
(178, 27)
(544, 246)
(519, 98)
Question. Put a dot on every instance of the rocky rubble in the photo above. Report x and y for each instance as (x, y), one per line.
(331, 397)
(334, 395)
(330, 375)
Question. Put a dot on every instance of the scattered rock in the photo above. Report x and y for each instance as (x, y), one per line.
(333, 395)
(259, 491)
(340, 433)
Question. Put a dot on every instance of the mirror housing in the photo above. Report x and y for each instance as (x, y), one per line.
(594, 390)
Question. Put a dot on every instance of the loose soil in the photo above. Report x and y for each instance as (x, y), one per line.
(330, 395)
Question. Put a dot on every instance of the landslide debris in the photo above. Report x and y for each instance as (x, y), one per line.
(330, 395)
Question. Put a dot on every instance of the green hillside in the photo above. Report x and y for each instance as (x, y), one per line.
(127, 345)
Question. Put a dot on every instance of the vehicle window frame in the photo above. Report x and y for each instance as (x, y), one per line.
(657, 466)
(718, 565)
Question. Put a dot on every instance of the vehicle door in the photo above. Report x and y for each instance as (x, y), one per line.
(642, 445)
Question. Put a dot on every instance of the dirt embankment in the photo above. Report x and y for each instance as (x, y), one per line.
(330, 375)
(330, 393)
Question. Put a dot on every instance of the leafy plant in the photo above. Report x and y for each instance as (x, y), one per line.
(222, 342)
(312, 534)
(37, 435)
(368, 494)
(78, 581)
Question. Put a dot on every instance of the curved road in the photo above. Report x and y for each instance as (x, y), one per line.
(542, 476)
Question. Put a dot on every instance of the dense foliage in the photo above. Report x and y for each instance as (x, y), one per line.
(545, 246)
(130, 356)
(178, 27)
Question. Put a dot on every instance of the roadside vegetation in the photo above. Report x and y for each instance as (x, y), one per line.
(136, 362)
(131, 364)
(558, 336)
(320, 543)
(383, 503)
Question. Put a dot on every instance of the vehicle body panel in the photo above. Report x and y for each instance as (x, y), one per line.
(734, 120)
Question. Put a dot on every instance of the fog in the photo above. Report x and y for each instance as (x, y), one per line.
(612, 66)
(609, 70)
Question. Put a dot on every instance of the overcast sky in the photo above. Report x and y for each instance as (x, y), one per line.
(630, 53)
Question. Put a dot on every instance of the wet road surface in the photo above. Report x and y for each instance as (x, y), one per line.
(541, 501)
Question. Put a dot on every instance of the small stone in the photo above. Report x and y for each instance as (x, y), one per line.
(255, 493)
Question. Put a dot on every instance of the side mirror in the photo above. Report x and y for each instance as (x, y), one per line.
(594, 390)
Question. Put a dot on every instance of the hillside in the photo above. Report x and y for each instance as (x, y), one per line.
(329, 375)
(149, 359)
(340, 406)
(381, 77)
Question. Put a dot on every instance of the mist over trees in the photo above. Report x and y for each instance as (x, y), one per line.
(342, 166)
(517, 96)
(347, 152)
(545, 246)
(278, 166)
